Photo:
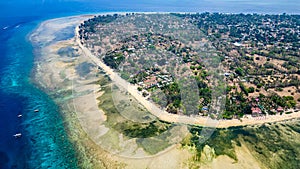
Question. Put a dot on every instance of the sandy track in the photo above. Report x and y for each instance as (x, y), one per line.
(165, 116)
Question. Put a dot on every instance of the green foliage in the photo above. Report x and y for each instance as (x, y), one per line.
(251, 90)
(192, 67)
(90, 25)
(217, 35)
(259, 85)
(172, 92)
(274, 100)
(140, 130)
(113, 59)
(228, 89)
(244, 88)
(240, 71)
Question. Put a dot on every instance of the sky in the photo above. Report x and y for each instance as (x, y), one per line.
(37, 7)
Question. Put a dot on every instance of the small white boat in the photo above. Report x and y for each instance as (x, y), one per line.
(36, 110)
(17, 135)
(5, 27)
(20, 115)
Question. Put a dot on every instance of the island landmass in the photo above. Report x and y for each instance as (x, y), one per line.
(115, 121)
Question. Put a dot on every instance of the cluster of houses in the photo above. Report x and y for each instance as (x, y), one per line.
(263, 30)
(156, 79)
(258, 110)
(134, 53)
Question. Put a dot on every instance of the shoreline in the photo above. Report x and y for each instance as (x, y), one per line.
(47, 78)
(84, 120)
(77, 98)
(174, 118)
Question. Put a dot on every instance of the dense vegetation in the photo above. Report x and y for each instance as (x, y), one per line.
(89, 25)
(258, 52)
(262, 54)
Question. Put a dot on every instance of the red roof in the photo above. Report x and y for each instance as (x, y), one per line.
(150, 81)
(255, 110)
(279, 109)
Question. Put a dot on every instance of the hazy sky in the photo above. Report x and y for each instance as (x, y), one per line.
(35, 7)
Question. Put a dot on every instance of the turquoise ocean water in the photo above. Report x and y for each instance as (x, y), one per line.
(44, 142)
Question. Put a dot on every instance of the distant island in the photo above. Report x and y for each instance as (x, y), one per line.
(257, 55)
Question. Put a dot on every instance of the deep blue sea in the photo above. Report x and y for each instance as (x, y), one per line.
(44, 142)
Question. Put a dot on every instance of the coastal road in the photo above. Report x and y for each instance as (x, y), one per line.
(174, 118)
